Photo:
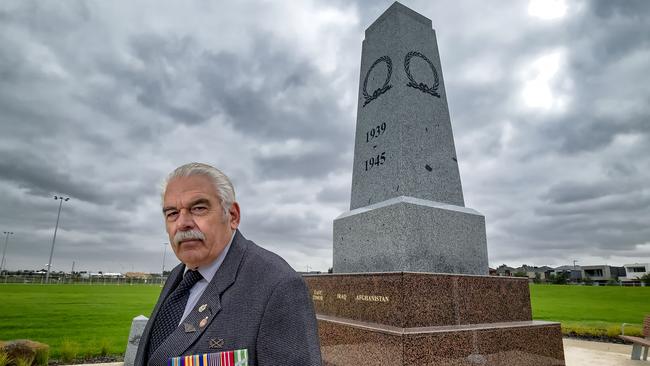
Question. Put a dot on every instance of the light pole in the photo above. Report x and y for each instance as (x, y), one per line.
(2, 263)
(162, 273)
(49, 263)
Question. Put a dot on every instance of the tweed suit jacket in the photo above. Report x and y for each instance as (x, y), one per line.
(255, 301)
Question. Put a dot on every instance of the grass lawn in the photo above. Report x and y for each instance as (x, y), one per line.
(97, 316)
(92, 316)
(596, 310)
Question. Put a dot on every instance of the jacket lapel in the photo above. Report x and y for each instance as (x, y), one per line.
(171, 283)
(197, 321)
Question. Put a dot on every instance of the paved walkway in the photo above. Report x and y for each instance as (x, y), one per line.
(576, 353)
(586, 353)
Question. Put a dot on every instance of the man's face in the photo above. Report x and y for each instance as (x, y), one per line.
(192, 204)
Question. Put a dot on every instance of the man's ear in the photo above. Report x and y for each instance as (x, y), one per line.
(234, 215)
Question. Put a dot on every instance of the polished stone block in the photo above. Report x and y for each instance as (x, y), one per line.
(406, 318)
(410, 234)
(528, 343)
(404, 299)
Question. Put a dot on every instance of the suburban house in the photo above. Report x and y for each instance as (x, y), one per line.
(634, 272)
(532, 272)
(602, 274)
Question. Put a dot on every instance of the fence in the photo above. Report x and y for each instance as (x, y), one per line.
(76, 280)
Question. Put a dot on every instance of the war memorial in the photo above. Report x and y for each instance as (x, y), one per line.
(410, 283)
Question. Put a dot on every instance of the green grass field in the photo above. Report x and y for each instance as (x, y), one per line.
(97, 316)
(597, 310)
(93, 316)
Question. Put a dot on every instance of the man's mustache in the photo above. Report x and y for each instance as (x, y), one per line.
(181, 236)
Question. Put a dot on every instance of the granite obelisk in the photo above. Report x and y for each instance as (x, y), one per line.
(407, 210)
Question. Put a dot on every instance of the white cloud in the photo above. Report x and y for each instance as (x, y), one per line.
(542, 88)
(547, 9)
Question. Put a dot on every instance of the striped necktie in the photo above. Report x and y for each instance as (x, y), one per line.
(171, 310)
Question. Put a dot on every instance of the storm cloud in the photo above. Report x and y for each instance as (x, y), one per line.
(100, 100)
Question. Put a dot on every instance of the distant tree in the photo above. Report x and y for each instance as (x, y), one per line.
(538, 278)
(520, 274)
(588, 281)
(612, 282)
(646, 279)
(560, 279)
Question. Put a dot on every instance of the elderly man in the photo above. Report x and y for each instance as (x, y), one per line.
(229, 298)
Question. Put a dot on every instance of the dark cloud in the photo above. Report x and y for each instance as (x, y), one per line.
(335, 195)
(99, 101)
(632, 9)
(271, 94)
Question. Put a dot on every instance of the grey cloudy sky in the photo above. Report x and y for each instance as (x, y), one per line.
(100, 100)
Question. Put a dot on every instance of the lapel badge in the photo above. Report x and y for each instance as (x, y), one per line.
(203, 307)
(189, 328)
(216, 343)
(203, 322)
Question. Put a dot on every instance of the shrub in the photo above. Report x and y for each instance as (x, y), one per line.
(599, 330)
(104, 346)
(4, 358)
(26, 350)
(42, 355)
(24, 361)
(69, 350)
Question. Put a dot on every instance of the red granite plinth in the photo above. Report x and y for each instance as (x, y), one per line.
(403, 318)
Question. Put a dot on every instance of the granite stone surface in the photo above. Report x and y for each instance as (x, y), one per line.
(345, 345)
(404, 144)
(411, 300)
(410, 234)
(137, 328)
(531, 343)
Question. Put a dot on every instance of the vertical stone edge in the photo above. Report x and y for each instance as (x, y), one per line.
(137, 328)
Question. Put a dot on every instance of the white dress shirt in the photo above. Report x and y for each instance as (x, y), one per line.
(207, 272)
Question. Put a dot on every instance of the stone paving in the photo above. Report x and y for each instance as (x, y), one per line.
(586, 353)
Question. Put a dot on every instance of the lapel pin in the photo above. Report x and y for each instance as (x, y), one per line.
(216, 343)
(203, 307)
(189, 328)
(203, 322)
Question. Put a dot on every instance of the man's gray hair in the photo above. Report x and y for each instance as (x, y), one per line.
(222, 184)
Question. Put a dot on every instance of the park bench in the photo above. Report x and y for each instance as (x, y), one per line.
(639, 344)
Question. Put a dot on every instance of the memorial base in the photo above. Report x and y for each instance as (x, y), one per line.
(403, 318)
(410, 234)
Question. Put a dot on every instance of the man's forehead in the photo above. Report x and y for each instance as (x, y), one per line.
(187, 188)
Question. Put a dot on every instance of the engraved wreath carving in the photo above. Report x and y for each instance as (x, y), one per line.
(433, 89)
(379, 91)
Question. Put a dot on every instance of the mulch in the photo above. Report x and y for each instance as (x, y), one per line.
(98, 359)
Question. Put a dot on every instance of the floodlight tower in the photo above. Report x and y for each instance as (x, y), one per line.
(7, 233)
(162, 273)
(56, 227)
